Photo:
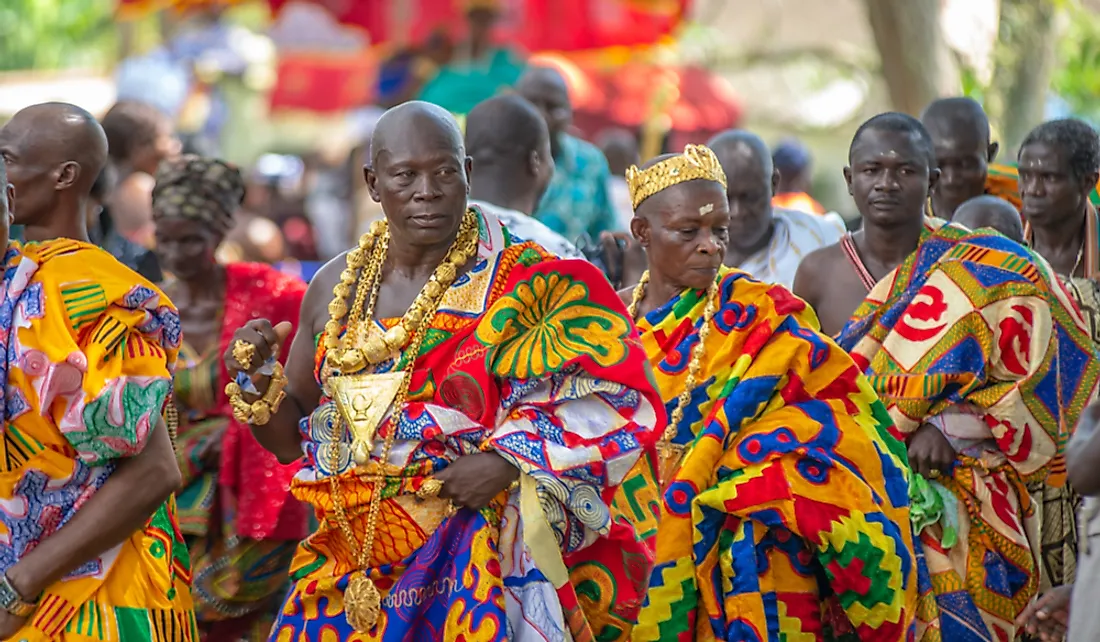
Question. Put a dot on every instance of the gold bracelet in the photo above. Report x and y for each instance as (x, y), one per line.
(258, 412)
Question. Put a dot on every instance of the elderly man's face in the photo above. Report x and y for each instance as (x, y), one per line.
(421, 179)
(29, 170)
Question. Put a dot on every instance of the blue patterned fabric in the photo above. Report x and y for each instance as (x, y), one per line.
(577, 202)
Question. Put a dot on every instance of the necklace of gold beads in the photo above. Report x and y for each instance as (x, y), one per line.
(669, 452)
(362, 599)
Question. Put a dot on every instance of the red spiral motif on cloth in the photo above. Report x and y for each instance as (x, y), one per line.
(461, 392)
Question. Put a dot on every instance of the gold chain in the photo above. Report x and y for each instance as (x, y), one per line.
(697, 353)
(425, 307)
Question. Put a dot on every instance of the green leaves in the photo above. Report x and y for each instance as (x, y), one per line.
(55, 34)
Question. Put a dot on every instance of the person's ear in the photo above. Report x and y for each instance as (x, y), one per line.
(468, 168)
(776, 175)
(372, 183)
(991, 154)
(848, 179)
(641, 229)
(933, 179)
(68, 173)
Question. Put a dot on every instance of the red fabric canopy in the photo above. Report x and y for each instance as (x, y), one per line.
(694, 100)
(535, 25)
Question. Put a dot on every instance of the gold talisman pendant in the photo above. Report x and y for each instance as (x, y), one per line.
(669, 456)
(362, 602)
(363, 401)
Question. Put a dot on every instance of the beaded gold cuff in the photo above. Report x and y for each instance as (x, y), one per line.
(259, 412)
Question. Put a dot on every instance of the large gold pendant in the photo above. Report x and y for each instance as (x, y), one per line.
(363, 401)
(670, 456)
(362, 602)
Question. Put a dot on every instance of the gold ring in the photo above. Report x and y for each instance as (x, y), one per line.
(935, 472)
(243, 352)
(430, 488)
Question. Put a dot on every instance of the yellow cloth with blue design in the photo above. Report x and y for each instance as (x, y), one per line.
(788, 517)
(89, 347)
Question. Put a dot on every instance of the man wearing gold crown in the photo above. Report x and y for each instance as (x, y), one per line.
(468, 407)
(785, 503)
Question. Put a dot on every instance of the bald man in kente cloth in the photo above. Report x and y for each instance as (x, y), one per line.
(982, 361)
(89, 544)
(469, 405)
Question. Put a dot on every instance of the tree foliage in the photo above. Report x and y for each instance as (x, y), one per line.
(55, 34)
(1077, 80)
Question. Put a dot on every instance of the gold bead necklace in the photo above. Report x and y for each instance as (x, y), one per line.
(362, 599)
(670, 453)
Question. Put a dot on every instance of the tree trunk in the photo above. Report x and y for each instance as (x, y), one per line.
(1029, 35)
(916, 62)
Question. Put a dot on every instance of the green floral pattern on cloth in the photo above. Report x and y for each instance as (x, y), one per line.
(118, 422)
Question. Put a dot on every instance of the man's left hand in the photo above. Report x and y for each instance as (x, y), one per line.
(930, 454)
(472, 481)
(10, 624)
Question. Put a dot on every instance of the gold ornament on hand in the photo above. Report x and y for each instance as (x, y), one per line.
(258, 412)
(670, 454)
(697, 162)
(362, 599)
(431, 488)
(244, 352)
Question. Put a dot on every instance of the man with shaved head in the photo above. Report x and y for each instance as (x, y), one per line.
(87, 523)
(765, 241)
(981, 360)
(467, 405)
(991, 212)
(577, 204)
(965, 152)
(774, 440)
(54, 153)
(510, 146)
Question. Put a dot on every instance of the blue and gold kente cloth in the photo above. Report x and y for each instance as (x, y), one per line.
(788, 518)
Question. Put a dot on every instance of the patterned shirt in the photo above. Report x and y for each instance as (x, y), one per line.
(577, 203)
(526, 228)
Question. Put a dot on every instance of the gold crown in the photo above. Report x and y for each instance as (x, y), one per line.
(697, 162)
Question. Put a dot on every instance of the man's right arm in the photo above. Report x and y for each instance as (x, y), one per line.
(280, 435)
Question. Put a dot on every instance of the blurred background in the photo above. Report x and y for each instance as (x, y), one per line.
(290, 89)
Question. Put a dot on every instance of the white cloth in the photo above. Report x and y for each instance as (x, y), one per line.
(796, 235)
(620, 200)
(528, 229)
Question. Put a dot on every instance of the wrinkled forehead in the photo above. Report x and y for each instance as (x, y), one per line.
(1043, 156)
(885, 146)
(691, 201)
(420, 146)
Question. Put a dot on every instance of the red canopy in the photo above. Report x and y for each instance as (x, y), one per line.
(692, 101)
(535, 25)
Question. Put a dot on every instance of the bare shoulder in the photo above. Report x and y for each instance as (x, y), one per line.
(319, 294)
(815, 269)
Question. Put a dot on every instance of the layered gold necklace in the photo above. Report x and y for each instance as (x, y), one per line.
(671, 453)
(363, 399)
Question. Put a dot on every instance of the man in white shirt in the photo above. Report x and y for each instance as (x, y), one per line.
(509, 143)
(766, 242)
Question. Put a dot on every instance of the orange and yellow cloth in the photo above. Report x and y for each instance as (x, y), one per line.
(974, 334)
(89, 349)
(788, 516)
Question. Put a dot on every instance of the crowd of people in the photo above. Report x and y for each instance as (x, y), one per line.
(499, 415)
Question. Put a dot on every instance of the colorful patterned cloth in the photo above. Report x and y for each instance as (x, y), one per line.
(89, 349)
(975, 335)
(793, 495)
(530, 357)
(577, 203)
(242, 525)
